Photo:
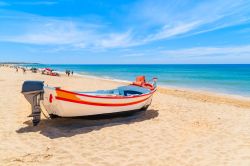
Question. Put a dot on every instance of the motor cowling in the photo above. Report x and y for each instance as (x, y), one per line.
(33, 92)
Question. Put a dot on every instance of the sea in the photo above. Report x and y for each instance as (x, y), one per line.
(221, 78)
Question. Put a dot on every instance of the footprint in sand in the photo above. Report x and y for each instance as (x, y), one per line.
(32, 158)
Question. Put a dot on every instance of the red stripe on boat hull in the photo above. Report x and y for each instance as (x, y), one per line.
(101, 104)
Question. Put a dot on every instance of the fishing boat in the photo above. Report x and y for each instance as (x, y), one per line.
(64, 103)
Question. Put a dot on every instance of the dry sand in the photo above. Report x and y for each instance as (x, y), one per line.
(181, 128)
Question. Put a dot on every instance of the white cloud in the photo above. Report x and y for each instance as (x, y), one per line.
(115, 40)
(194, 55)
(169, 19)
(150, 21)
(210, 51)
(33, 29)
(133, 55)
(48, 31)
(167, 32)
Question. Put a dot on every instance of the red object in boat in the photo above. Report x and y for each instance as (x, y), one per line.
(141, 81)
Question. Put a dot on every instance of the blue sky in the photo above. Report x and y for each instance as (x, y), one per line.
(125, 31)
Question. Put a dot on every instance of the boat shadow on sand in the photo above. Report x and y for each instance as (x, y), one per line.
(68, 127)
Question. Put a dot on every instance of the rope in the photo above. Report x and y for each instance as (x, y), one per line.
(45, 115)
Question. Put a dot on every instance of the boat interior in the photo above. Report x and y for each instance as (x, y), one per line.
(120, 91)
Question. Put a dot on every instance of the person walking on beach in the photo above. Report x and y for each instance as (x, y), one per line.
(67, 72)
(16, 69)
(72, 72)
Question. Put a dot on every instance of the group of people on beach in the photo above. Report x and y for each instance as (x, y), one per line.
(68, 72)
(24, 69)
(34, 70)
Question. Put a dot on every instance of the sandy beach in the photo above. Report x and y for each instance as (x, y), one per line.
(180, 128)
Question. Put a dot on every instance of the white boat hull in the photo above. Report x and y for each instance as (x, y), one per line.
(69, 104)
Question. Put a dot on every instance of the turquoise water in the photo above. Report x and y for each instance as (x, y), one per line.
(231, 79)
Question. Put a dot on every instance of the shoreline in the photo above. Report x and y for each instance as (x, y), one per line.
(191, 89)
(205, 96)
(180, 92)
(182, 88)
(201, 95)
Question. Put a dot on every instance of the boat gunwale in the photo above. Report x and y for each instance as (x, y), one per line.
(106, 97)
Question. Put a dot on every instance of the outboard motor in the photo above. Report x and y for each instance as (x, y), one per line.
(33, 92)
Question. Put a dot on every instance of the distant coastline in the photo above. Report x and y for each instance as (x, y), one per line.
(19, 63)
